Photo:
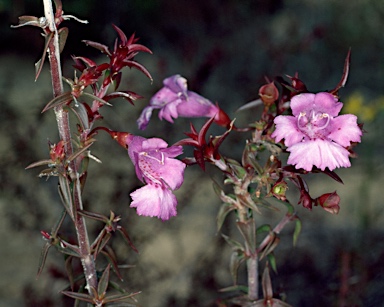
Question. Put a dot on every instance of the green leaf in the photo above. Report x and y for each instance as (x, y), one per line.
(66, 195)
(233, 243)
(272, 244)
(297, 231)
(103, 282)
(94, 216)
(96, 98)
(79, 152)
(263, 228)
(79, 296)
(81, 113)
(63, 34)
(39, 163)
(111, 257)
(39, 64)
(236, 259)
(225, 209)
(248, 231)
(126, 237)
(60, 100)
(120, 297)
(272, 261)
(69, 270)
(43, 258)
(241, 288)
(267, 284)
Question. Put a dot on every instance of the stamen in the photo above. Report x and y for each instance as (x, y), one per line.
(328, 119)
(301, 115)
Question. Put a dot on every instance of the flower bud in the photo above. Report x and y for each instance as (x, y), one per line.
(268, 93)
(305, 200)
(57, 152)
(279, 189)
(329, 202)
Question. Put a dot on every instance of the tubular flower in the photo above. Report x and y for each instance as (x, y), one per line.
(315, 135)
(155, 166)
(175, 100)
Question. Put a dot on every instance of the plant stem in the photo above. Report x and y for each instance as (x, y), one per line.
(62, 119)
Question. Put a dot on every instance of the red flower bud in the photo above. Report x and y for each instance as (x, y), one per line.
(329, 202)
(305, 199)
(269, 93)
(57, 152)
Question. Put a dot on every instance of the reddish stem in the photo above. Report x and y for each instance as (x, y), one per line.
(62, 119)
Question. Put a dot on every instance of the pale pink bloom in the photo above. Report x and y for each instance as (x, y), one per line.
(174, 100)
(155, 165)
(315, 135)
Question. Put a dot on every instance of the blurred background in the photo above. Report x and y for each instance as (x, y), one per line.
(225, 48)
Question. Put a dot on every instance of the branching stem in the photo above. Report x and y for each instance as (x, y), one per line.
(62, 119)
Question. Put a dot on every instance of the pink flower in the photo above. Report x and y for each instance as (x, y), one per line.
(175, 100)
(155, 166)
(315, 135)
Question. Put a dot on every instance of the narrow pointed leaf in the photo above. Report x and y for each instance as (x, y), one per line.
(63, 35)
(39, 64)
(65, 195)
(43, 258)
(297, 231)
(101, 47)
(81, 113)
(103, 282)
(97, 98)
(233, 243)
(138, 67)
(267, 284)
(77, 153)
(272, 261)
(101, 243)
(120, 297)
(121, 34)
(344, 77)
(225, 209)
(39, 163)
(94, 216)
(241, 288)
(127, 239)
(248, 230)
(79, 296)
(236, 259)
(60, 100)
(111, 257)
(69, 270)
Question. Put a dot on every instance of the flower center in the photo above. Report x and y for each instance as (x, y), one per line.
(148, 165)
(313, 124)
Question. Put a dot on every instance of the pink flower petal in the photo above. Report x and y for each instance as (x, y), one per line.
(319, 153)
(286, 128)
(345, 130)
(153, 201)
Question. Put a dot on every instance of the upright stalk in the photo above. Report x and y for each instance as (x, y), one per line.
(62, 119)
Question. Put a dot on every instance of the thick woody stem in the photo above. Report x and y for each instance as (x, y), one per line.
(65, 135)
